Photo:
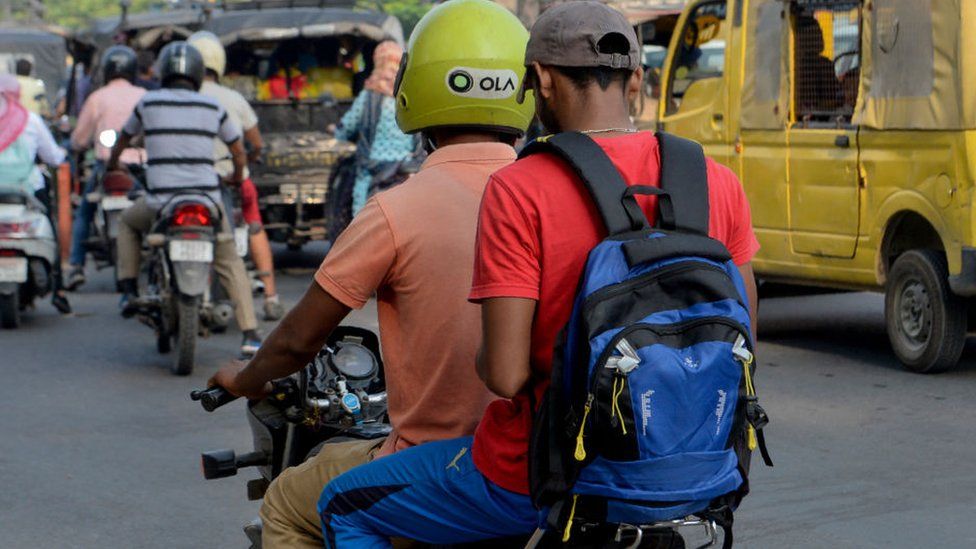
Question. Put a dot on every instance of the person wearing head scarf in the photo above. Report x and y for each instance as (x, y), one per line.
(13, 116)
(24, 138)
(371, 124)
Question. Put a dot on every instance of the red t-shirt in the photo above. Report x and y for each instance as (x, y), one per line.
(537, 225)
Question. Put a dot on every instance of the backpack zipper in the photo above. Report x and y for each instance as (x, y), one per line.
(746, 358)
(580, 453)
(664, 272)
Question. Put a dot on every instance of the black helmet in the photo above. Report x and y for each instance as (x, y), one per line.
(119, 62)
(180, 60)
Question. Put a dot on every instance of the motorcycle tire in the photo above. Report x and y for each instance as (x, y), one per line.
(187, 327)
(10, 311)
(339, 197)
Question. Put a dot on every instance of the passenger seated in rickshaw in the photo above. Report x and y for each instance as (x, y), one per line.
(817, 89)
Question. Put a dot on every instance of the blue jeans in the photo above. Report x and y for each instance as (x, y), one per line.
(83, 218)
(430, 493)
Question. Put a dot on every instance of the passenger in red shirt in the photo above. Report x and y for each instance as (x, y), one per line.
(538, 224)
(536, 227)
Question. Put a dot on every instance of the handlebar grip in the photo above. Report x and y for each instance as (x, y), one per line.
(212, 398)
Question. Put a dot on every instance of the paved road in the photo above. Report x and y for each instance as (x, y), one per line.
(99, 444)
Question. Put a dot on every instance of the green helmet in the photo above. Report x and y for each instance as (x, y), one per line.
(464, 67)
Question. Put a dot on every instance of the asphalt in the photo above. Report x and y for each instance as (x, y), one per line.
(99, 444)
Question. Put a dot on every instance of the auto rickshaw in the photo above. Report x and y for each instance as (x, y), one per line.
(852, 125)
(299, 65)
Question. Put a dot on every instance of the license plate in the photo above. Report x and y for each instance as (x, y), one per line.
(13, 269)
(112, 203)
(189, 250)
(241, 240)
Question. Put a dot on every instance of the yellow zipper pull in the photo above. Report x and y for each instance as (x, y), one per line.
(569, 522)
(615, 407)
(746, 358)
(580, 453)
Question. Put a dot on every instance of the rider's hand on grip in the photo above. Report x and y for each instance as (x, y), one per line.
(228, 377)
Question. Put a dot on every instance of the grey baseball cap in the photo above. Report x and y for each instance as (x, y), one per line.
(570, 35)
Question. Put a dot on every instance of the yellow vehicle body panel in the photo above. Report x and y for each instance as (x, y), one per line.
(826, 200)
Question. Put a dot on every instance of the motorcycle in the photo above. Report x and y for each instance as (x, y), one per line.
(28, 252)
(339, 396)
(177, 277)
(110, 197)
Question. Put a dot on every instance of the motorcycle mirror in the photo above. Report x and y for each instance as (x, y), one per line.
(108, 138)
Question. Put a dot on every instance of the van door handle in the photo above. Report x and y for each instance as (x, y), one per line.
(842, 141)
(718, 117)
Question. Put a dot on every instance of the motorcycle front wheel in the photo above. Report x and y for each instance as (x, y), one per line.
(187, 327)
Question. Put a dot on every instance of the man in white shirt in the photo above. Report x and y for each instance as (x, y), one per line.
(215, 61)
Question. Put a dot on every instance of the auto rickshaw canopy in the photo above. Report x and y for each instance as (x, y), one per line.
(301, 22)
(145, 28)
(917, 64)
(44, 47)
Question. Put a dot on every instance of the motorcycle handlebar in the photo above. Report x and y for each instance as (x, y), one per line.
(212, 398)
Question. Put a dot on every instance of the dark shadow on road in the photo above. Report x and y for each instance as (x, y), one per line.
(844, 324)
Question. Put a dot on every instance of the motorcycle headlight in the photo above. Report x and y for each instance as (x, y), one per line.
(354, 362)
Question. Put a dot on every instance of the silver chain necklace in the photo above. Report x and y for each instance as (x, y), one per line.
(611, 130)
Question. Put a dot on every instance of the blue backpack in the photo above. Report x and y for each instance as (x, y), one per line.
(651, 414)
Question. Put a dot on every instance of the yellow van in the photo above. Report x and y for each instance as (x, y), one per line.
(852, 125)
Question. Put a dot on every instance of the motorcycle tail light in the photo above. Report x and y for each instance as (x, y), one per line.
(9, 253)
(18, 229)
(191, 215)
(117, 183)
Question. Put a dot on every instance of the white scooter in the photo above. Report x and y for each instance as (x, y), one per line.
(27, 254)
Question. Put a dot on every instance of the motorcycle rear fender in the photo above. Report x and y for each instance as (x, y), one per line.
(191, 277)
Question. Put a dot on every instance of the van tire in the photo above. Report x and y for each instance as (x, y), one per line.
(926, 322)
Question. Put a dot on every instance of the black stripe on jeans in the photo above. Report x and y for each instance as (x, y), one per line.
(181, 131)
(170, 103)
(179, 161)
(357, 499)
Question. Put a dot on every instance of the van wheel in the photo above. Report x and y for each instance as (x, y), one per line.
(926, 322)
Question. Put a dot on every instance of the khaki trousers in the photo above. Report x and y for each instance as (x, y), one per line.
(229, 266)
(289, 515)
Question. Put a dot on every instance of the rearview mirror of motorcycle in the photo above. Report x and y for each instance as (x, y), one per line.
(108, 138)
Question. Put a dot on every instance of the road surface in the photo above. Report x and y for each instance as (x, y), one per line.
(99, 444)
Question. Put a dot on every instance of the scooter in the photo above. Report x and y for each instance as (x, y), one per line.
(28, 252)
(340, 396)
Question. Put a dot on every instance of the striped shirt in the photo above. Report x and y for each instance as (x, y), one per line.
(180, 127)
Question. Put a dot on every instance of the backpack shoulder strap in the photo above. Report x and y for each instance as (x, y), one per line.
(600, 177)
(684, 176)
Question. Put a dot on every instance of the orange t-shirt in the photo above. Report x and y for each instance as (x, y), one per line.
(413, 246)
